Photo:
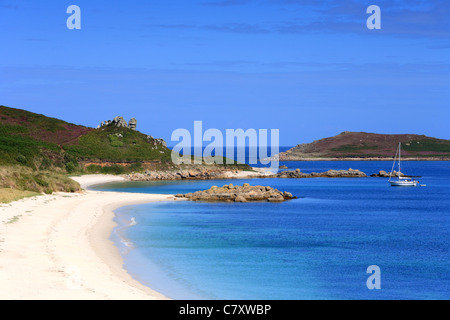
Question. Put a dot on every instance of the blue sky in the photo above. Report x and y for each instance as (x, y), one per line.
(309, 68)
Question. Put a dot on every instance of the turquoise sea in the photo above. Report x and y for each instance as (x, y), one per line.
(318, 246)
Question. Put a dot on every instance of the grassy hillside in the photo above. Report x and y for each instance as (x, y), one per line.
(368, 145)
(117, 144)
(40, 127)
(34, 140)
(44, 143)
(37, 152)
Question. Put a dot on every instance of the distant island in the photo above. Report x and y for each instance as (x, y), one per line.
(370, 146)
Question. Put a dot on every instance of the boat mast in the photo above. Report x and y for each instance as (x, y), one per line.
(399, 157)
(393, 164)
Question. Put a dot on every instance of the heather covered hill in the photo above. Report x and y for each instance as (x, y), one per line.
(370, 145)
(37, 152)
(45, 143)
(40, 127)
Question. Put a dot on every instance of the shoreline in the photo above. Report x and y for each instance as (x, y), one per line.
(58, 247)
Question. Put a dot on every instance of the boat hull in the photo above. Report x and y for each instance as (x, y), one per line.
(404, 183)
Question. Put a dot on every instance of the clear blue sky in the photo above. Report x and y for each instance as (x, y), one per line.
(309, 68)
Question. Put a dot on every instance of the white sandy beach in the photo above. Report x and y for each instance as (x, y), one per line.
(57, 246)
(256, 173)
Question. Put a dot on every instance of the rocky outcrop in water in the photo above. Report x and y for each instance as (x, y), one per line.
(384, 174)
(209, 172)
(244, 193)
(193, 173)
(350, 173)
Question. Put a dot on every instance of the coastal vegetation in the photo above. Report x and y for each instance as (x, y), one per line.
(16, 181)
(9, 195)
(117, 144)
(44, 143)
(38, 153)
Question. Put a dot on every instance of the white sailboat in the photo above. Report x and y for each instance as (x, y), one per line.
(400, 181)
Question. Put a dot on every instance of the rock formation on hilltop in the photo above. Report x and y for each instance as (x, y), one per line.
(120, 122)
(132, 124)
